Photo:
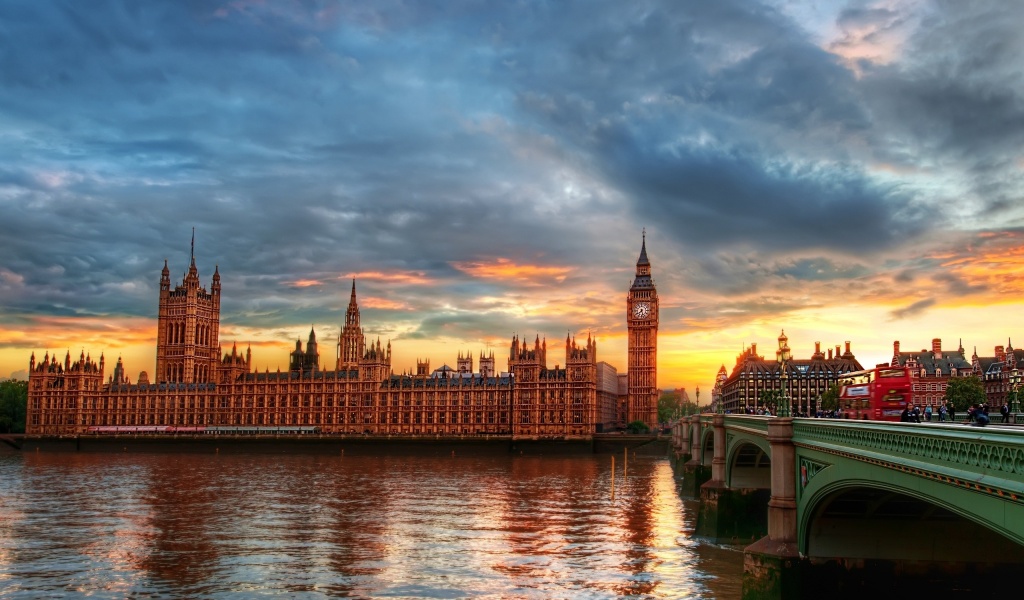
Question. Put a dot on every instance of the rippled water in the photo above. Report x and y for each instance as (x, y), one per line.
(187, 526)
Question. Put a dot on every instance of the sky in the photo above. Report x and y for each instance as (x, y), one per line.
(841, 170)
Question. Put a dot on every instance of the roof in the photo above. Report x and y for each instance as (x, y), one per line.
(944, 364)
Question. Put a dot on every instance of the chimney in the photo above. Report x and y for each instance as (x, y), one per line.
(896, 347)
(830, 354)
(753, 349)
(847, 348)
(1000, 353)
(937, 348)
(837, 351)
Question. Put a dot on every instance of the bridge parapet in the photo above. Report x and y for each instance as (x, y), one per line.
(752, 423)
(987, 460)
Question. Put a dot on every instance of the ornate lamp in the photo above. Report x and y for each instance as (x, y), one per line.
(1015, 382)
(783, 356)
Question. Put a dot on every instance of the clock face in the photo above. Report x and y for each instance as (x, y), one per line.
(641, 310)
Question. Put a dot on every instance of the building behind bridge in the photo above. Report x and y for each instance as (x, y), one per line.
(807, 378)
(931, 369)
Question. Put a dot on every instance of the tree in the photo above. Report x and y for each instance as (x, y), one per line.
(637, 427)
(668, 407)
(962, 392)
(13, 405)
(769, 398)
(830, 399)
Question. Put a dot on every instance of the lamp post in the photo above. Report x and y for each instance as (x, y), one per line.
(783, 356)
(1015, 382)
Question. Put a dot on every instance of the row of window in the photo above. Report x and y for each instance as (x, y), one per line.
(929, 387)
(491, 417)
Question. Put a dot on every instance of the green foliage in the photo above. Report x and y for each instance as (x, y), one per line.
(962, 392)
(13, 405)
(830, 399)
(637, 427)
(668, 407)
(769, 398)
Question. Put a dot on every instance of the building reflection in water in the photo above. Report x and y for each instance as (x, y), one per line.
(220, 525)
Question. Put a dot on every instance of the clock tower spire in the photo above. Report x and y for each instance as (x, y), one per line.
(642, 322)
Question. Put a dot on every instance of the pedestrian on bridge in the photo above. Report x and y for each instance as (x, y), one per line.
(928, 413)
(942, 413)
(1005, 411)
(952, 412)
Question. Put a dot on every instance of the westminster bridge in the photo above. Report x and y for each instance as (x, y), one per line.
(861, 506)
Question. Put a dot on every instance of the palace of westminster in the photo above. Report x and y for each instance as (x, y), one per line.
(196, 385)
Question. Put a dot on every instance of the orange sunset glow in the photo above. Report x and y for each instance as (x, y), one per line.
(695, 338)
(845, 172)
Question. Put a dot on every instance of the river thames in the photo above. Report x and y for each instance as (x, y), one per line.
(219, 526)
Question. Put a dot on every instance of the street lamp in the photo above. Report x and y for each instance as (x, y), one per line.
(783, 356)
(1015, 382)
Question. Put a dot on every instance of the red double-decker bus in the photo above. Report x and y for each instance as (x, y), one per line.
(878, 394)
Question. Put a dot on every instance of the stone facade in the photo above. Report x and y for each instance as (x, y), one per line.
(188, 328)
(930, 370)
(198, 385)
(995, 372)
(642, 320)
(807, 379)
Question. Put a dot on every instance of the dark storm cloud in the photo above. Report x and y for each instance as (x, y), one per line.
(957, 100)
(706, 147)
(305, 141)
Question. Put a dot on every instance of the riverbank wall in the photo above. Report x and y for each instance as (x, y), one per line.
(637, 445)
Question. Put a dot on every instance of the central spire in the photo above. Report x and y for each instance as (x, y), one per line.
(642, 261)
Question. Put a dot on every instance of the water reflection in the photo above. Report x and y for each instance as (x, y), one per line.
(320, 526)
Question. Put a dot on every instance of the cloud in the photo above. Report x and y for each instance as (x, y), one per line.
(483, 168)
(916, 309)
(523, 274)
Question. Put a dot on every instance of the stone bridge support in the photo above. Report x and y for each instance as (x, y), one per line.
(727, 514)
(694, 471)
(772, 565)
(681, 439)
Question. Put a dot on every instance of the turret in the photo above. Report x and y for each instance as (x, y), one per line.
(215, 285)
(165, 278)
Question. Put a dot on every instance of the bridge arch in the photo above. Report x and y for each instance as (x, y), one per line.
(707, 446)
(748, 463)
(872, 519)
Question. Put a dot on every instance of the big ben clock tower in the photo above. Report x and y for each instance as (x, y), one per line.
(642, 319)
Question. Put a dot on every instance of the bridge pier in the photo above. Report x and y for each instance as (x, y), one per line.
(695, 473)
(772, 566)
(728, 515)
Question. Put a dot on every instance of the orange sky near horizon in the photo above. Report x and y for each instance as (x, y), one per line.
(689, 354)
(846, 172)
